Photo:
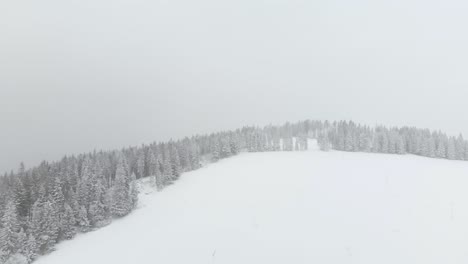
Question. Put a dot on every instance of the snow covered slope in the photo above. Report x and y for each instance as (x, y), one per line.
(293, 207)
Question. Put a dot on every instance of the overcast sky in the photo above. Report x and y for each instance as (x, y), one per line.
(79, 75)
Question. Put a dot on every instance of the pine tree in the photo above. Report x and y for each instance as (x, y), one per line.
(152, 163)
(121, 204)
(195, 156)
(466, 151)
(133, 192)
(17, 259)
(400, 147)
(82, 219)
(141, 165)
(175, 163)
(324, 142)
(441, 151)
(21, 240)
(234, 146)
(8, 234)
(158, 177)
(20, 195)
(384, 139)
(460, 148)
(376, 144)
(364, 142)
(451, 155)
(167, 172)
(431, 148)
(225, 149)
(67, 225)
(348, 144)
(215, 155)
(392, 138)
(44, 225)
(96, 214)
(31, 250)
(57, 201)
(84, 184)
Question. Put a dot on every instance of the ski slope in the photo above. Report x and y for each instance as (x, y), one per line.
(293, 207)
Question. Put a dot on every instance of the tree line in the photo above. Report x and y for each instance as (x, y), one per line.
(52, 202)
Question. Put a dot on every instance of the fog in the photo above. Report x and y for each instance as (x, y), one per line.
(98, 74)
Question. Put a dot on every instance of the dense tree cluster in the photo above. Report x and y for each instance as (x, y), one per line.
(348, 136)
(44, 205)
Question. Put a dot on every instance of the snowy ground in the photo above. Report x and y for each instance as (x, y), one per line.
(293, 207)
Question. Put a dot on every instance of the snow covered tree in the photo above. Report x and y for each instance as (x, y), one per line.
(234, 146)
(133, 192)
(460, 148)
(158, 177)
(215, 155)
(167, 172)
(400, 146)
(67, 223)
(17, 259)
(441, 151)
(195, 156)
(175, 163)
(451, 155)
(84, 184)
(82, 219)
(225, 149)
(8, 234)
(348, 143)
(141, 164)
(121, 202)
(323, 142)
(30, 250)
(384, 141)
(21, 241)
(44, 225)
(20, 195)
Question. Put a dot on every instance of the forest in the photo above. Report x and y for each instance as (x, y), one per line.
(43, 205)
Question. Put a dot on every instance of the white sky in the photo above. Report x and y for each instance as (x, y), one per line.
(100, 74)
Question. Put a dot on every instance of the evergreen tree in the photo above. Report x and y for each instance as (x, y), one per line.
(133, 192)
(141, 164)
(384, 145)
(175, 163)
(234, 146)
(20, 195)
(121, 204)
(441, 151)
(225, 149)
(67, 225)
(17, 259)
(8, 234)
(215, 155)
(82, 219)
(44, 225)
(84, 184)
(167, 172)
(364, 142)
(31, 250)
(324, 142)
(158, 177)
(451, 155)
(400, 147)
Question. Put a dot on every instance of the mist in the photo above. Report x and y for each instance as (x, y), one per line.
(76, 76)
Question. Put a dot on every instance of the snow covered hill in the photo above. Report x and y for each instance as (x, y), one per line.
(293, 207)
